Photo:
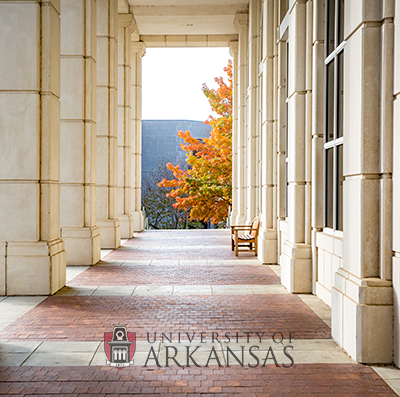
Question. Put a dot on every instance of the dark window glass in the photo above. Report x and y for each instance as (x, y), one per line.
(287, 132)
(330, 105)
(329, 188)
(340, 95)
(340, 179)
(340, 21)
(330, 28)
(287, 189)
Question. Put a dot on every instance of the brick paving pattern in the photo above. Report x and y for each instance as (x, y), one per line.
(188, 245)
(126, 253)
(177, 275)
(87, 318)
(300, 380)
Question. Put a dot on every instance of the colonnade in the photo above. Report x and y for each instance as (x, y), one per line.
(314, 157)
(314, 148)
(70, 89)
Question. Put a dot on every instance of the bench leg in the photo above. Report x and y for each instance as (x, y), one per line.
(236, 248)
(255, 247)
(233, 244)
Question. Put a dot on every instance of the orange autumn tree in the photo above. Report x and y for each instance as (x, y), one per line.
(206, 187)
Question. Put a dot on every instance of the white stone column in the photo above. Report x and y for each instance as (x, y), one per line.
(78, 132)
(396, 188)
(252, 111)
(268, 234)
(241, 25)
(107, 160)
(233, 49)
(296, 250)
(138, 51)
(125, 29)
(32, 255)
(362, 295)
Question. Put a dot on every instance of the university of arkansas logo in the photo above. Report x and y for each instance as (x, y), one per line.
(119, 347)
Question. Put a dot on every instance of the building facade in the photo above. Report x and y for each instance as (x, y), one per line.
(161, 143)
(315, 142)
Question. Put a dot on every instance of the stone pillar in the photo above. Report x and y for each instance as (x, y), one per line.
(296, 251)
(253, 112)
(268, 234)
(125, 29)
(233, 49)
(32, 255)
(138, 50)
(107, 161)
(362, 295)
(78, 132)
(396, 187)
(241, 25)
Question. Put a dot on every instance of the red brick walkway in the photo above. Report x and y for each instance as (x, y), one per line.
(177, 275)
(187, 245)
(300, 380)
(87, 318)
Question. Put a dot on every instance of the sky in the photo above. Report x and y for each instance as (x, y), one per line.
(172, 79)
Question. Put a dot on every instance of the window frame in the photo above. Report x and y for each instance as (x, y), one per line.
(335, 58)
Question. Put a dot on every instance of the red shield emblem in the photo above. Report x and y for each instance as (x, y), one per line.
(119, 347)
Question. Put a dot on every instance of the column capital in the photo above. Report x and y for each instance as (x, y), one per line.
(138, 47)
(127, 20)
(233, 47)
(241, 20)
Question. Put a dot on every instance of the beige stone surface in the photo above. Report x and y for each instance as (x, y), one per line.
(12, 307)
(114, 290)
(144, 290)
(76, 291)
(20, 29)
(16, 359)
(107, 107)
(19, 124)
(72, 88)
(192, 290)
(73, 271)
(19, 215)
(59, 358)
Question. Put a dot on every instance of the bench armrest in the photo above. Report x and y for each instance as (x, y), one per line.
(243, 229)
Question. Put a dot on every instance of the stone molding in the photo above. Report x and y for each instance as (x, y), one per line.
(241, 20)
(138, 47)
(233, 47)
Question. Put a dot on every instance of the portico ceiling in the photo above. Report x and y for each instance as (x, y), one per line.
(185, 17)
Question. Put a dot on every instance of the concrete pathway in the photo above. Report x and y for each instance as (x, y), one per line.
(206, 323)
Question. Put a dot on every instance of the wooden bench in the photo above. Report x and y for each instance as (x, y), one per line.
(247, 237)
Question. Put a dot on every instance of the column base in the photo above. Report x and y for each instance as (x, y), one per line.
(126, 222)
(110, 232)
(268, 246)
(296, 267)
(82, 245)
(137, 221)
(362, 317)
(32, 268)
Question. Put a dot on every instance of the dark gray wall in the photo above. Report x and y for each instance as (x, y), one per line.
(159, 140)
